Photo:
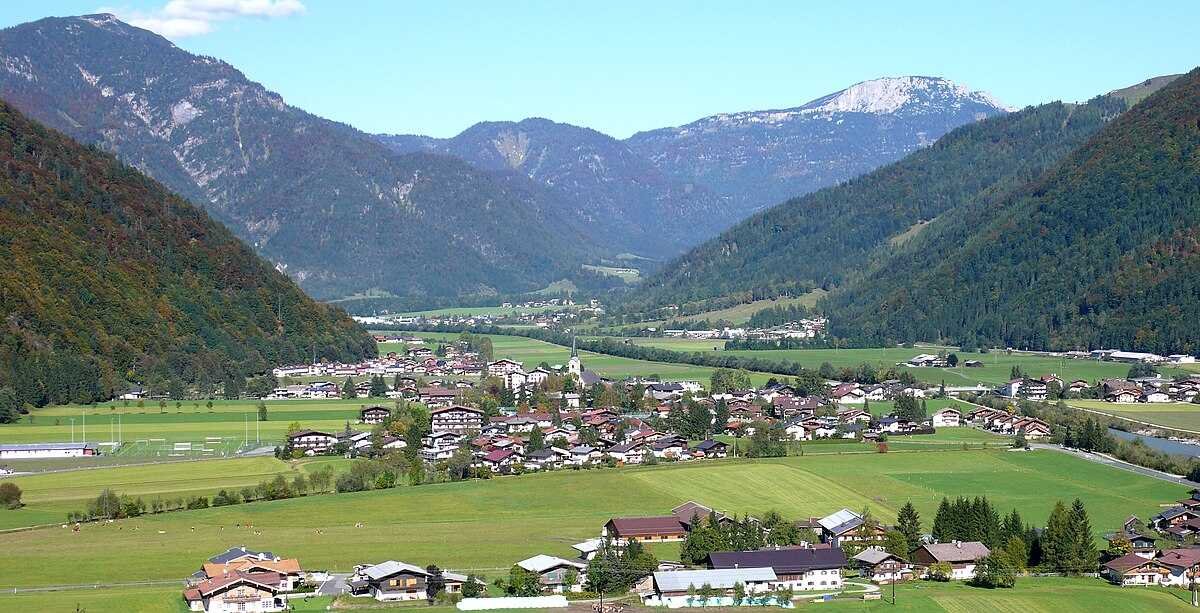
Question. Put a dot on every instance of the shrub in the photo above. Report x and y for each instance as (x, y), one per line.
(10, 495)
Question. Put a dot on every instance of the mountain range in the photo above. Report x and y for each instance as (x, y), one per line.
(108, 277)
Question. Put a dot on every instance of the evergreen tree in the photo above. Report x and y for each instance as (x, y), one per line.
(941, 523)
(348, 389)
(1084, 557)
(908, 522)
(1058, 540)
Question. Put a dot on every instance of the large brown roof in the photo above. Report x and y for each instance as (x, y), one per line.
(268, 581)
(968, 551)
(286, 567)
(646, 526)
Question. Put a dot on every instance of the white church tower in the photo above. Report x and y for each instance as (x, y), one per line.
(574, 365)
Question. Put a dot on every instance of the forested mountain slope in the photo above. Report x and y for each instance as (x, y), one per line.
(338, 211)
(623, 200)
(1103, 250)
(108, 277)
(829, 237)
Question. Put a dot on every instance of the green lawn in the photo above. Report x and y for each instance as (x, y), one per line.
(996, 369)
(1183, 415)
(484, 310)
(740, 313)
(485, 526)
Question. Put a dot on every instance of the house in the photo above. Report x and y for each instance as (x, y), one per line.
(799, 568)
(848, 393)
(926, 360)
(456, 418)
(498, 460)
(1155, 396)
(1141, 544)
(881, 566)
(686, 511)
(669, 447)
(627, 453)
(645, 529)
(241, 553)
(587, 549)
(237, 591)
(1183, 564)
(675, 589)
(1031, 389)
(556, 574)
(582, 455)
(290, 574)
(391, 580)
(22, 451)
(843, 525)
(961, 556)
(947, 418)
(501, 367)
(312, 442)
(711, 449)
(374, 414)
(1133, 569)
(434, 397)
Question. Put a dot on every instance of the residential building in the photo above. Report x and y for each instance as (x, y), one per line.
(556, 574)
(947, 418)
(391, 580)
(961, 556)
(676, 589)
(312, 442)
(237, 592)
(799, 568)
(374, 414)
(645, 529)
(456, 418)
(881, 566)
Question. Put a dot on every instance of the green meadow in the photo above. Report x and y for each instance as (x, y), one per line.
(996, 369)
(533, 352)
(485, 526)
(1184, 415)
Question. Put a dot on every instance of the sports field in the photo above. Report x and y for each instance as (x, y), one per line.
(1184, 415)
(532, 352)
(487, 525)
(996, 369)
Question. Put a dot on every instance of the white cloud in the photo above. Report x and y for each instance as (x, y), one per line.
(183, 18)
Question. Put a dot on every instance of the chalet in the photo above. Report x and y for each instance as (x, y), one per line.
(437, 396)
(664, 391)
(456, 418)
(312, 442)
(854, 416)
(675, 589)
(501, 367)
(234, 554)
(556, 575)
(546, 459)
(847, 393)
(711, 449)
(799, 568)
(582, 455)
(627, 453)
(390, 580)
(961, 556)
(288, 570)
(500, 460)
(880, 566)
(948, 417)
(1184, 564)
(1031, 428)
(237, 591)
(537, 376)
(686, 511)
(846, 526)
(1133, 569)
(374, 414)
(645, 529)
(671, 447)
(587, 549)
(926, 360)
(1078, 386)
(1031, 389)
(1173, 517)
(1155, 396)
(1141, 544)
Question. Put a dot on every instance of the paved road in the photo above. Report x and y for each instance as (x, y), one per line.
(334, 586)
(1115, 463)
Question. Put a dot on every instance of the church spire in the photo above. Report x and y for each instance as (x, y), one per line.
(574, 351)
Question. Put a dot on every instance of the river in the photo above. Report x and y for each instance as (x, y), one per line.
(1159, 444)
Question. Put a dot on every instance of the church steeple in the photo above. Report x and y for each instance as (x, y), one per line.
(574, 351)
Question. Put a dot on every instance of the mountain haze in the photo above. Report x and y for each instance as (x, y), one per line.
(757, 159)
(335, 209)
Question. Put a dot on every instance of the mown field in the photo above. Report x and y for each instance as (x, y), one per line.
(996, 369)
(483, 310)
(48, 497)
(149, 431)
(741, 313)
(485, 526)
(532, 352)
(1184, 415)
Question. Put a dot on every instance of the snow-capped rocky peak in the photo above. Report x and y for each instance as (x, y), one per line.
(890, 94)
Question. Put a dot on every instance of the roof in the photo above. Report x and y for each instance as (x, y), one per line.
(1126, 563)
(234, 553)
(783, 561)
(841, 522)
(499, 455)
(681, 580)
(686, 511)
(542, 563)
(705, 445)
(588, 546)
(289, 566)
(455, 407)
(267, 581)
(963, 551)
(634, 526)
(310, 433)
(1185, 558)
(384, 570)
(874, 555)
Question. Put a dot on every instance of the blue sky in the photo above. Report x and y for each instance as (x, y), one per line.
(619, 67)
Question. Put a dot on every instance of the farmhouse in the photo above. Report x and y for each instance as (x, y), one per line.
(644, 529)
(961, 556)
(799, 568)
(555, 574)
(675, 589)
(290, 574)
(880, 566)
(374, 414)
(947, 418)
(711, 449)
(257, 592)
(390, 580)
(1133, 569)
(437, 396)
(501, 367)
(47, 450)
(456, 418)
(844, 526)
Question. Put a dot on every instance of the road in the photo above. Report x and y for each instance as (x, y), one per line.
(335, 585)
(1115, 463)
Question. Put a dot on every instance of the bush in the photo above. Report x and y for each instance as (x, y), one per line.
(10, 495)
(197, 502)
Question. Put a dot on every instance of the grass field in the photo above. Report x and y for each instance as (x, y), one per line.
(487, 525)
(483, 310)
(740, 314)
(49, 497)
(996, 369)
(1184, 415)
(228, 426)
(532, 352)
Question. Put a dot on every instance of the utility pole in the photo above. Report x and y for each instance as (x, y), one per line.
(72, 429)
(84, 413)
(1195, 594)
